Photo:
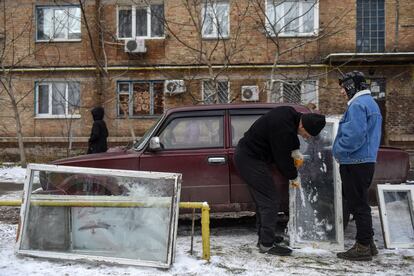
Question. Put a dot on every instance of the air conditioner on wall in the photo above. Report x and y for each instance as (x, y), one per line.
(250, 93)
(135, 45)
(174, 87)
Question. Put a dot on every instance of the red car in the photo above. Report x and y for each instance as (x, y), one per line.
(199, 142)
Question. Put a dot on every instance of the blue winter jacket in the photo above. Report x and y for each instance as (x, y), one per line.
(359, 132)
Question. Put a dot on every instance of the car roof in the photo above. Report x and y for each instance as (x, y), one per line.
(299, 108)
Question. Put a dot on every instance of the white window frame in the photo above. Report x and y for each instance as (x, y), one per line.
(213, 5)
(134, 21)
(270, 31)
(50, 115)
(66, 8)
(302, 88)
(217, 82)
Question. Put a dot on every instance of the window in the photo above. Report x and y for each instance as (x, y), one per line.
(215, 16)
(58, 23)
(140, 98)
(215, 93)
(292, 18)
(193, 132)
(239, 125)
(141, 21)
(300, 92)
(370, 28)
(57, 99)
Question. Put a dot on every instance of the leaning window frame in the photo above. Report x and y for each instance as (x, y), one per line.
(55, 7)
(270, 32)
(24, 213)
(50, 115)
(134, 20)
(215, 34)
(383, 211)
(293, 238)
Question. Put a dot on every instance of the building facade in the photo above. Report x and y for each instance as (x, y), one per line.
(137, 58)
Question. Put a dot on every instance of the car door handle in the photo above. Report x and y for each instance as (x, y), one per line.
(217, 160)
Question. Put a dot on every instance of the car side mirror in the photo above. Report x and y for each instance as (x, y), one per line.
(155, 144)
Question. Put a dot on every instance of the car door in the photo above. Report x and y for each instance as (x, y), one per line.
(193, 144)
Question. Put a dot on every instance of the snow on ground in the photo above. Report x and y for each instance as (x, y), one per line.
(12, 174)
(233, 250)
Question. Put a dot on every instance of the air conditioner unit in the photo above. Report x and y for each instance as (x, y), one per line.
(250, 93)
(136, 45)
(174, 87)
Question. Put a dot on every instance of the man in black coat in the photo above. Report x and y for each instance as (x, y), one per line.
(99, 133)
(273, 139)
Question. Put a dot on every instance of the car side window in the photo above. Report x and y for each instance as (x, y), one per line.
(193, 132)
(239, 125)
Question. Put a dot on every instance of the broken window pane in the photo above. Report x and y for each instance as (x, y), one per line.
(126, 217)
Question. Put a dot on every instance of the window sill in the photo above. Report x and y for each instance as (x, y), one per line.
(58, 41)
(139, 117)
(215, 37)
(58, 116)
(141, 37)
(299, 35)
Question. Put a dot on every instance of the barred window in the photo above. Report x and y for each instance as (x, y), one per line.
(292, 91)
(370, 36)
(215, 92)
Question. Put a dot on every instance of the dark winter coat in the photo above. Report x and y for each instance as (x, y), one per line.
(273, 137)
(99, 133)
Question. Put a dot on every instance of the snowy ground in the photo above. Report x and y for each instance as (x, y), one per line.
(233, 252)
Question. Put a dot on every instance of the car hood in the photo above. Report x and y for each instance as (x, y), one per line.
(111, 153)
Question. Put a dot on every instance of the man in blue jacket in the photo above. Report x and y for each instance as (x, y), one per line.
(355, 148)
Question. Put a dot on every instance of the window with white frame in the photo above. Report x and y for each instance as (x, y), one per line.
(292, 18)
(58, 23)
(215, 92)
(215, 16)
(140, 98)
(141, 20)
(57, 99)
(299, 92)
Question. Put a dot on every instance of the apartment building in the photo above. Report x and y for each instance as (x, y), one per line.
(136, 58)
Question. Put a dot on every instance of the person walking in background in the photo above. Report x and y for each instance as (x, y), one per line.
(99, 133)
(355, 148)
(273, 139)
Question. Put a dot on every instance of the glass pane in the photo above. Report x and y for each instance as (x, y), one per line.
(223, 19)
(239, 125)
(309, 93)
(209, 92)
(308, 17)
(115, 215)
(125, 23)
(141, 22)
(74, 23)
(123, 104)
(223, 92)
(208, 21)
(43, 99)
(60, 21)
(73, 97)
(157, 20)
(188, 133)
(58, 98)
(141, 98)
(315, 200)
(291, 17)
(399, 216)
(158, 89)
(44, 23)
(292, 92)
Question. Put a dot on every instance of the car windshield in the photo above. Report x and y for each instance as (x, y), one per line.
(139, 144)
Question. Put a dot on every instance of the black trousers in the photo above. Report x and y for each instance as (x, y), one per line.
(356, 179)
(257, 174)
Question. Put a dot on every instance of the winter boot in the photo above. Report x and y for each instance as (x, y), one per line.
(275, 250)
(278, 239)
(358, 252)
(373, 247)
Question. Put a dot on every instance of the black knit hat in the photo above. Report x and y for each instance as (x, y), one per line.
(313, 123)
